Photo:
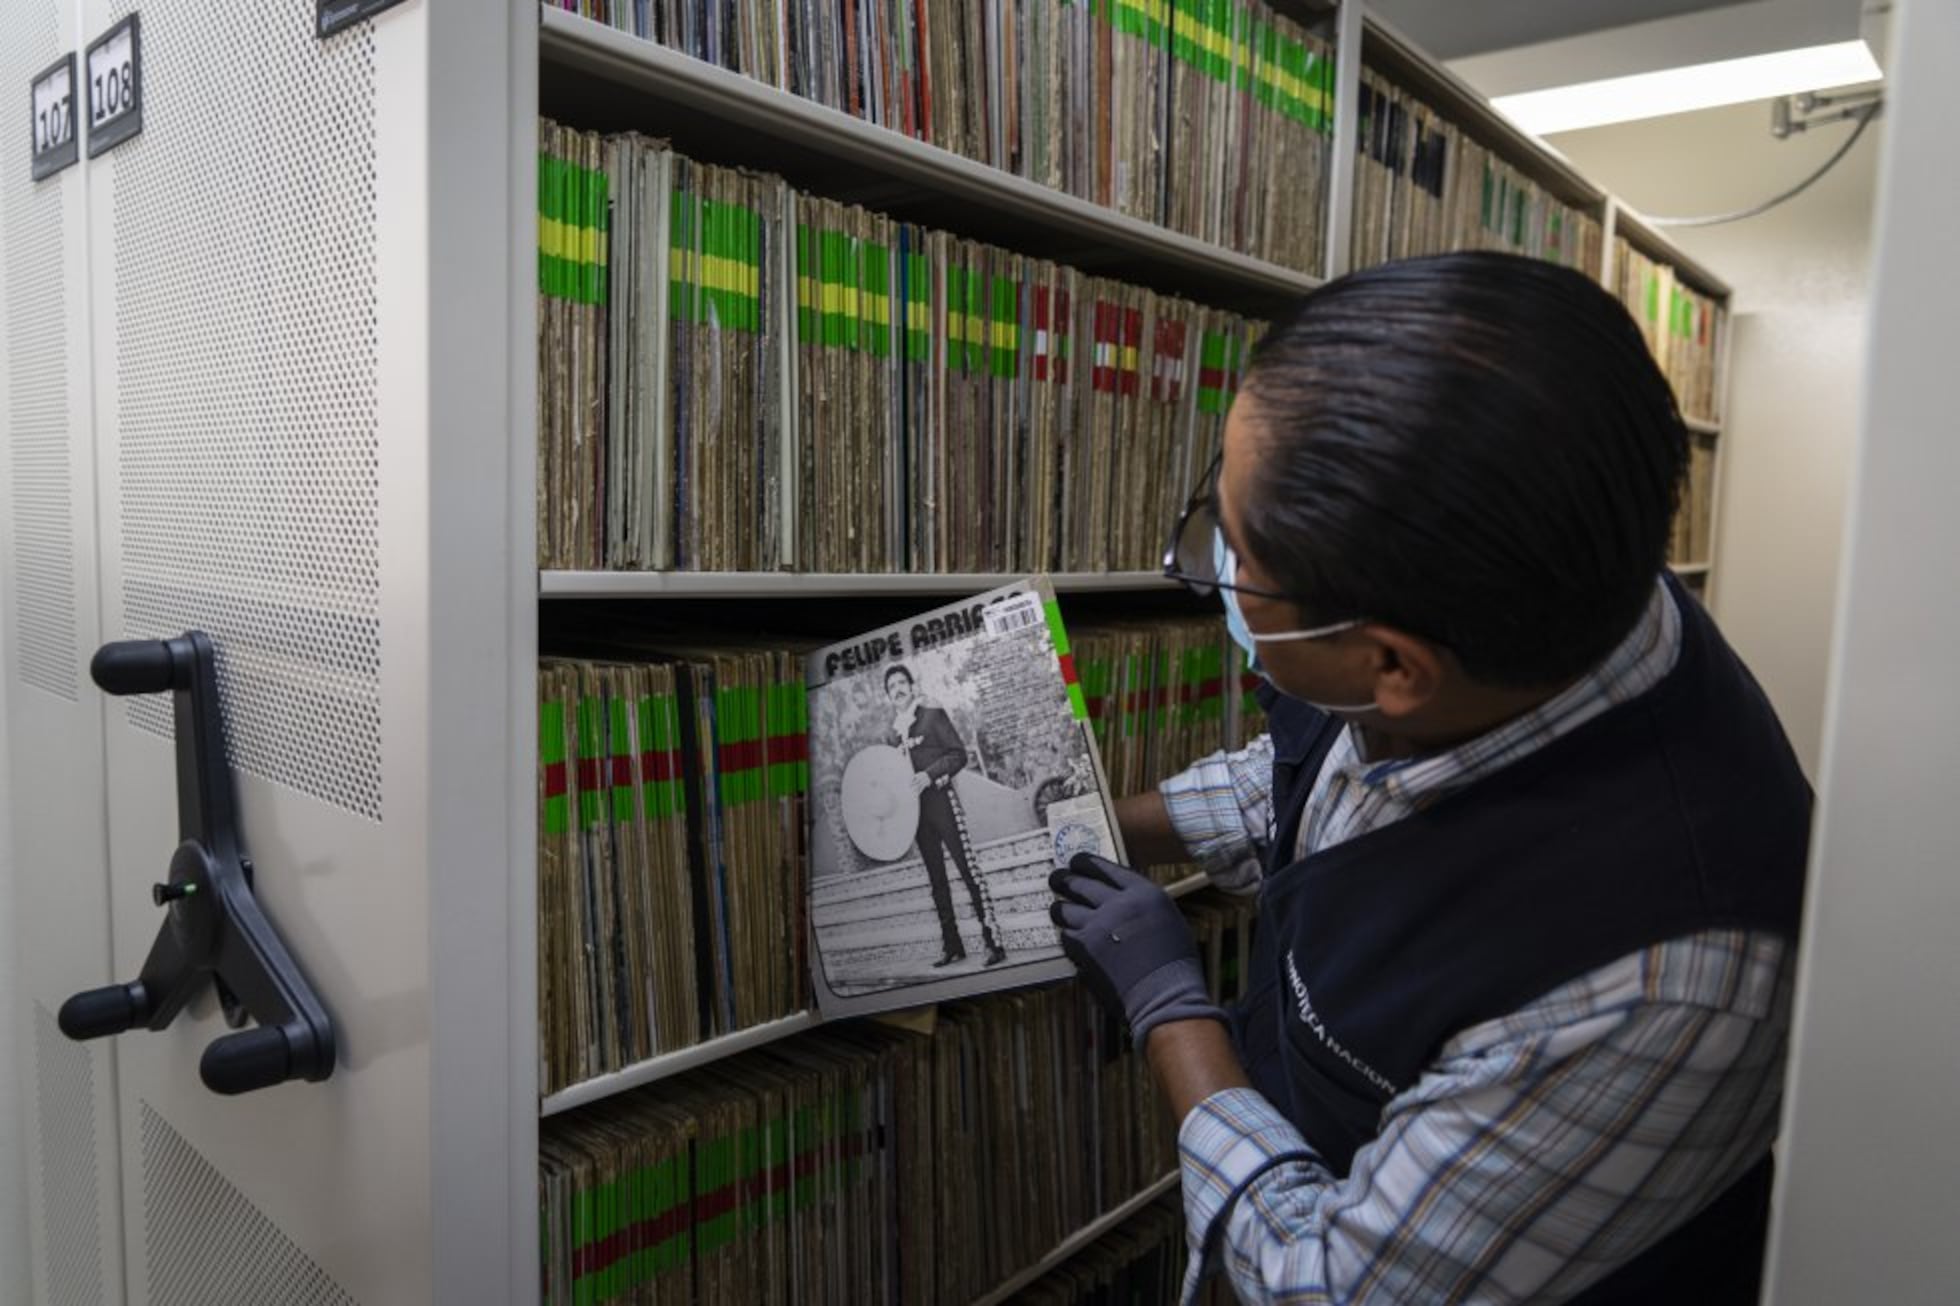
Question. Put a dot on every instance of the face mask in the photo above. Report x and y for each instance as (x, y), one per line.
(1227, 565)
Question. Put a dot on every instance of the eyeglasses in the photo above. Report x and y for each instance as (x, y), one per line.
(1191, 555)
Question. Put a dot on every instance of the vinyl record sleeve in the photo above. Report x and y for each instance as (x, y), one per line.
(952, 769)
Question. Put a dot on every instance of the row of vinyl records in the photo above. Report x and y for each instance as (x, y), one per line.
(1209, 117)
(1424, 186)
(1683, 327)
(1139, 1263)
(737, 376)
(673, 851)
(869, 1162)
(1692, 541)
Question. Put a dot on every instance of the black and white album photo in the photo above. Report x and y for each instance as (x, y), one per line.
(952, 768)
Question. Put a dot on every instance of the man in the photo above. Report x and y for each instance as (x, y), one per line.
(1533, 841)
(928, 737)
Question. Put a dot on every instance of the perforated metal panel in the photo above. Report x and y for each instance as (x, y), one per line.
(36, 401)
(206, 1245)
(245, 309)
(65, 1107)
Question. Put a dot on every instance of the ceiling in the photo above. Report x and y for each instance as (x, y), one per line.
(1506, 46)
(1451, 29)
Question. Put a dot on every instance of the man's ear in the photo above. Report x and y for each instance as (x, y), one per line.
(1408, 671)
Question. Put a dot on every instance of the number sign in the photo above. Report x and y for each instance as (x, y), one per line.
(114, 69)
(51, 98)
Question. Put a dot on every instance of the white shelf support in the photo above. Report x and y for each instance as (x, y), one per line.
(1339, 226)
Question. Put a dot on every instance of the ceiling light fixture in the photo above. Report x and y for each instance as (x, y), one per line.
(1698, 86)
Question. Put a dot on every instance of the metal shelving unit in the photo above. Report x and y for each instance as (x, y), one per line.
(376, 335)
(593, 71)
(602, 77)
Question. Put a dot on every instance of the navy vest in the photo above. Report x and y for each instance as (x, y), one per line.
(1680, 811)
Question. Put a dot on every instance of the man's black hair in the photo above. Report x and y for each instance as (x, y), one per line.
(1475, 448)
(898, 669)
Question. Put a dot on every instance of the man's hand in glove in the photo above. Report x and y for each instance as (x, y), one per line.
(1131, 943)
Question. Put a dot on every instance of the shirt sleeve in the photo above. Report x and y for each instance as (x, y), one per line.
(1221, 808)
(1538, 1153)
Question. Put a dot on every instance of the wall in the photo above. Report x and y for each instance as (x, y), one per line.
(1451, 29)
(13, 1156)
(1800, 275)
(1867, 1204)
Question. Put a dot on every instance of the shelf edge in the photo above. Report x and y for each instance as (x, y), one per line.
(1075, 1242)
(666, 1064)
(791, 584)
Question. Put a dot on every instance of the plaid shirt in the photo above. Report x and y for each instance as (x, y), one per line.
(1538, 1151)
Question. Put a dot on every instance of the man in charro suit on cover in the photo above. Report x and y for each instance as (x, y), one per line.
(928, 737)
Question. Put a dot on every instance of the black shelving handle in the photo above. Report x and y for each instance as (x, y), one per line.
(213, 928)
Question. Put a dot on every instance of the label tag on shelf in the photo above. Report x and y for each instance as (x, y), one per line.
(333, 15)
(114, 68)
(51, 96)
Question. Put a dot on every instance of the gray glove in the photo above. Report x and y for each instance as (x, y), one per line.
(1132, 945)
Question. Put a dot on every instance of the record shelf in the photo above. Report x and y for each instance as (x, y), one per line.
(595, 77)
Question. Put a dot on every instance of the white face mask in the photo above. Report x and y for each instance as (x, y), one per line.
(1245, 637)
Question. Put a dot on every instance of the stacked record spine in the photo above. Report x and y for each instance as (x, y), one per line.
(736, 376)
(1210, 117)
(1423, 185)
(866, 1162)
(673, 849)
(1682, 326)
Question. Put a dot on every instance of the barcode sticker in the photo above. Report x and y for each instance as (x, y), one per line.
(1017, 613)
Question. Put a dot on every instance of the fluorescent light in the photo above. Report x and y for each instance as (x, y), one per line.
(1699, 86)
